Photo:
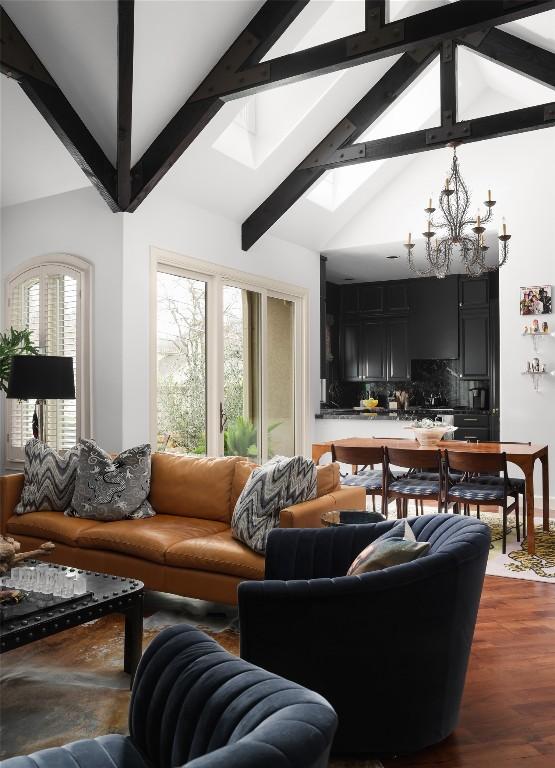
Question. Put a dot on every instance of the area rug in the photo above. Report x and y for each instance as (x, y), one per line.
(517, 563)
(71, 686)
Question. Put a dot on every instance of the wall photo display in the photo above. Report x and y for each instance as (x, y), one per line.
(535, 300)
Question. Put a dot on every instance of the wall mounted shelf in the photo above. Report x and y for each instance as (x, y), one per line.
(536, 336)
(535, 378)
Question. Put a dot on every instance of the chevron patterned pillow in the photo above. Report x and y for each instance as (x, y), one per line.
(49, 478)
(278, 484)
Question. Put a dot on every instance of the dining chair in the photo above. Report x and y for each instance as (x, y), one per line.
(418, 509)
(474, 488)
(518, 483)
(414, 484)
(369, 478)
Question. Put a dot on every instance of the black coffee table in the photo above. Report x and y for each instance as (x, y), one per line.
(38, 616)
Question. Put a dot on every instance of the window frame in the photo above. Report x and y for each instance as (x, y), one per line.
(217, 275)
(82, 270)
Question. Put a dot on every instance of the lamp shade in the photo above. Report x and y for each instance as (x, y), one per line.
(41, 377)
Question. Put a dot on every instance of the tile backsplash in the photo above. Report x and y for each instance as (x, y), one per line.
(428, 377)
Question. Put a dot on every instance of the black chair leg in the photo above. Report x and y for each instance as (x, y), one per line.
(478, 511)
(399, 512)
(524, 520)
(504, 548)
(373, 503)
(517, 515)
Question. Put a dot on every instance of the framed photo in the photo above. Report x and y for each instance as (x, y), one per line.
(535, 300)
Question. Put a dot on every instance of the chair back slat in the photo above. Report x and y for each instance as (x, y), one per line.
(357, 456)
(476, 463)
(410, 458)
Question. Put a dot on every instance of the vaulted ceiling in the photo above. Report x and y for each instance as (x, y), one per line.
(252, 143)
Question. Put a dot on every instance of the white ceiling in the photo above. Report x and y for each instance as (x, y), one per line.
(176, 44)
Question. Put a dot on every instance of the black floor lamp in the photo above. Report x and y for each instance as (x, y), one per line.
(41, 378)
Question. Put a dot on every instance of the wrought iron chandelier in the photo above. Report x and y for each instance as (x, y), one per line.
(456, 229)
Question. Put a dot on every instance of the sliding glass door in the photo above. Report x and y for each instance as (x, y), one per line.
(227, 367)
(181, 305)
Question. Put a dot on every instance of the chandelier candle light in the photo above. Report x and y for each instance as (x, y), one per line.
(467, 233)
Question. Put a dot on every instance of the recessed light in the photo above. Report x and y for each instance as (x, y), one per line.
(392, 257)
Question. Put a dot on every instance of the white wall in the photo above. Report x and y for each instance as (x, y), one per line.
(80, 223)
(118, 246)
(172, 225)
(518, 169)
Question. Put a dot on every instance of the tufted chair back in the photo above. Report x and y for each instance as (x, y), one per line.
(195, 704)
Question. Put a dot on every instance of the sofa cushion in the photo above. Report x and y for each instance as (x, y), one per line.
(327, 478)
(148, 538)
(49, 525)
(220, 553)
(192, 486)
(243, 470)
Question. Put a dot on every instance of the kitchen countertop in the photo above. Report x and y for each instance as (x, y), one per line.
(409, 414)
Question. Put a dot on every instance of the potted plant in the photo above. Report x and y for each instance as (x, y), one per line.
(12, 343)
(428, 433)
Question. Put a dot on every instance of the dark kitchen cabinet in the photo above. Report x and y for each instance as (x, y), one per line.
(473, 292)
(371, 298)
(350, 350)
(373, 348)
(434, 318)
(474, 343)
(398, 363)
(397, 297)
(349, 299)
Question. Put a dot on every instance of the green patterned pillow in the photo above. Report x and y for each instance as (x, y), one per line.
(395, 547)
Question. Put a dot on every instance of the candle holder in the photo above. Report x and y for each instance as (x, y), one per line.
(457, 232)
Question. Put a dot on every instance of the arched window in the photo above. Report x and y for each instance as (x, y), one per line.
(52, 298)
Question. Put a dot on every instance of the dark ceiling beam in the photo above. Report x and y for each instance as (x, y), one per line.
(126, 33)
(348, 130)
(478, 129)
(448, 82)
(253, 43)
(514, 53)
(427, 28)
(20, 62)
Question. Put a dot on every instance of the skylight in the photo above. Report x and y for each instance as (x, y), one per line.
(415, 109)
(276, 113)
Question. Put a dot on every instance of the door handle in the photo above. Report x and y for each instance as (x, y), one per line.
(223, 418)
(470, 419)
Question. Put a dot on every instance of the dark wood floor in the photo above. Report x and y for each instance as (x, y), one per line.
(508, 710)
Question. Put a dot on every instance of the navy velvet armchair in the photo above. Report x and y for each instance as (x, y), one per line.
(194, 704)
(389, 650)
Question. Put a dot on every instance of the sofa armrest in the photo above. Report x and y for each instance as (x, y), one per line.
(10, 493)
(308, 514)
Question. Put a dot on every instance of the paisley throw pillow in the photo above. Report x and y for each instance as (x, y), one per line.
(111, 489)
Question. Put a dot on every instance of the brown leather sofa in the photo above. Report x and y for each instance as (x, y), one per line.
(187, 548)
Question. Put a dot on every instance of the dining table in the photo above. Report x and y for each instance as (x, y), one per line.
(524, 455)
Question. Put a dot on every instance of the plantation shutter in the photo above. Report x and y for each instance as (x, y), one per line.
(47, 300)
(24, 308)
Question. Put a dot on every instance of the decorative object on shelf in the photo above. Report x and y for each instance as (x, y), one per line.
(535, 300)
(454, 201)
(12, 343)
(41, 378)
(10, 554)
(428, 432)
